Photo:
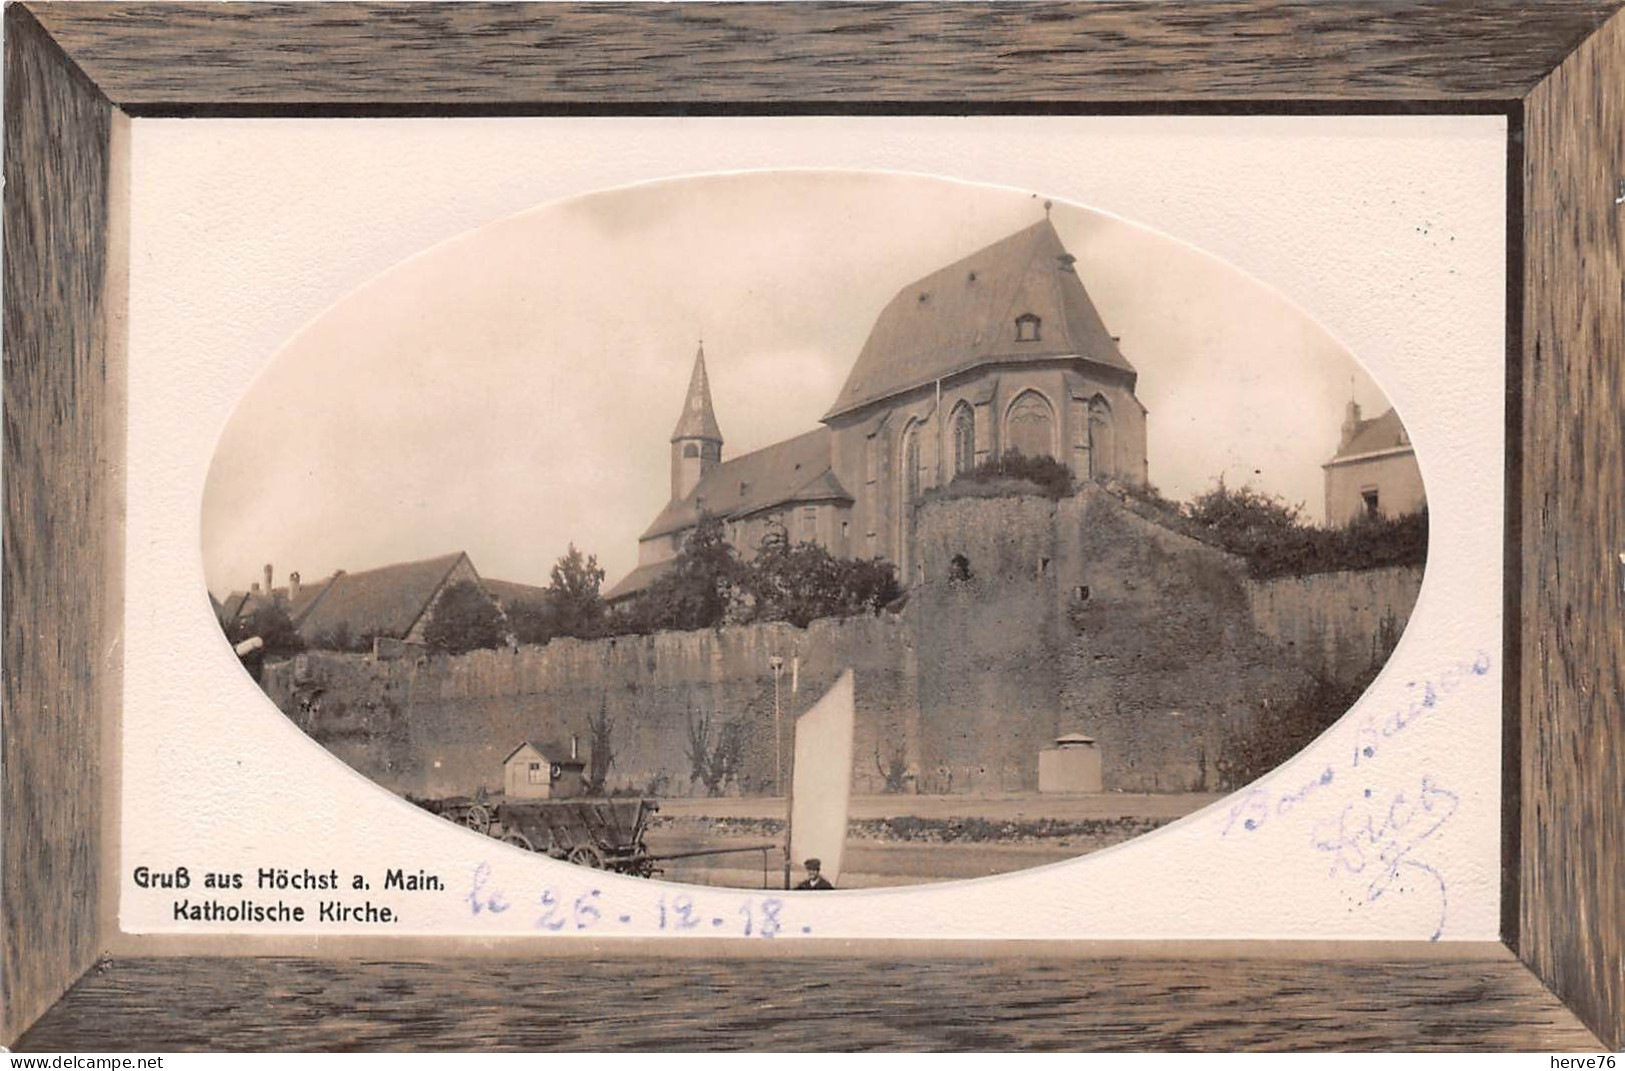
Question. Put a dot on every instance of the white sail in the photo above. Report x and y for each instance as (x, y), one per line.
(821, 787)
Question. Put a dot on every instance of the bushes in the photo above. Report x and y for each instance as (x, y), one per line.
(803, 582)
(1273, 538)
(1012, 474)
(709, 584)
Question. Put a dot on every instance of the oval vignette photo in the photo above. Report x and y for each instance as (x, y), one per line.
(813, 529)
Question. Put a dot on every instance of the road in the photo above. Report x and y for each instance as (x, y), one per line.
(689, 825)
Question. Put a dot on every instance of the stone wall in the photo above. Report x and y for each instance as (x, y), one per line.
(1034, 618)
(1339, 622)
(435, 726)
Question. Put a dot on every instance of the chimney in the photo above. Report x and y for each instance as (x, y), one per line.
(268, 588)
(293, 588)
(254, 588)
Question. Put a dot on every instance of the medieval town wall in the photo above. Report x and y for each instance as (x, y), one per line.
(1035, 618)
(437, 726)
(1341, 622)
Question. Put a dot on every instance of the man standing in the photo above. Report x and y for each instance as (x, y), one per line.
(815, 880)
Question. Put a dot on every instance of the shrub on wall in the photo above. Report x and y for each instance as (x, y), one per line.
(1273, 538)
(1012, 473)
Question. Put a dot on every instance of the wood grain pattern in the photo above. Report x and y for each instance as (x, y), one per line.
(158, 58)
(62, 442)
(61, 519)
(787, 1004)
(1573, 914)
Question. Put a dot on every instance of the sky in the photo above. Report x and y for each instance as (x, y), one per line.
(513, 391)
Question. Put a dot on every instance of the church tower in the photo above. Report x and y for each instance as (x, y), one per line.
(696, 444)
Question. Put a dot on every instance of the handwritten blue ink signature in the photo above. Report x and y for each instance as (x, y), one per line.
(1252, 811)
(1376, 840)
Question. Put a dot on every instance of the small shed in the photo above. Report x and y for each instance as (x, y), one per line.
(1072, 765)
(535, 771)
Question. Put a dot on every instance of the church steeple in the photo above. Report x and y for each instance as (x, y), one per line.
(696, 442)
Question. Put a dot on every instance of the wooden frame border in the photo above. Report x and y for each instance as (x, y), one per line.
(74, 72)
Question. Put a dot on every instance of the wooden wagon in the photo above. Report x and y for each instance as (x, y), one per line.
(606, 834)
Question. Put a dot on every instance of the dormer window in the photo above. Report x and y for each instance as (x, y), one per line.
(1027, 327)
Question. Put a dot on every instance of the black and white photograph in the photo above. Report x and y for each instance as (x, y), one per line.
(811, 529)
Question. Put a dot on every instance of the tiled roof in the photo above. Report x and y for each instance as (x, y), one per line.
(378, 602)
(1384, 433)
(964, 315)
(508, 592)
(638, 579)
(796, 470)
(698, 420)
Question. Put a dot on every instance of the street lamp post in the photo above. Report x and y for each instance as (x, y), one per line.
(777, 665)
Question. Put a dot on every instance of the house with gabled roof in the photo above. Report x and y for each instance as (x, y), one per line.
(1374, 471)
(1001, 350)
(392, 602)
(538, 771)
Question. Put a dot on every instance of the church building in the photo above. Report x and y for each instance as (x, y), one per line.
(1001, 350)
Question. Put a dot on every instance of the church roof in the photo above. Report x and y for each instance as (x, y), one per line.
(1370, 436)
(796, 470)
(699, 420)
(379, 602)
(965, 315)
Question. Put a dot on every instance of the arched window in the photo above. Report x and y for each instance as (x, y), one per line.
(1027, 326)
(1102, 448)
(910, 482)
(964, 426)
(1029, 426)
(691, 449)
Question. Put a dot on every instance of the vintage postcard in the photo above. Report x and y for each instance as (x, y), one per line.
(785, 529)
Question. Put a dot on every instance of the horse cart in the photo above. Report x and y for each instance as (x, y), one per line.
(605, 834)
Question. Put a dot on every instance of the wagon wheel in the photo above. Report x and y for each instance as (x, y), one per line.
(517, 839)
(587, 855)
(478, 819)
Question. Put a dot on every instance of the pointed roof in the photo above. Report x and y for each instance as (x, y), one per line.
(699, 420)
(965, 315)
(1371, 436)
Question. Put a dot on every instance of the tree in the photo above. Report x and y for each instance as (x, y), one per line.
(703, 582)
(573, 595)
(803, 582)
(601, 737)
(465, 619)
(531, 621)
(271, 623)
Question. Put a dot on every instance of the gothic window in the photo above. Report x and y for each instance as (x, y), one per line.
(911, 464)
(691, 449)
(1030, 426)
(1101, 444)
(871, 459)
(964, 439)
(1027, 326)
